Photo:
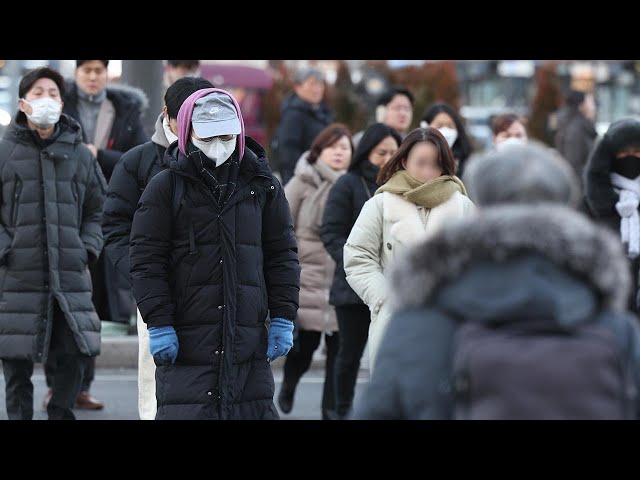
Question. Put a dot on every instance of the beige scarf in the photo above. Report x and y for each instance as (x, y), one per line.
(429, 194)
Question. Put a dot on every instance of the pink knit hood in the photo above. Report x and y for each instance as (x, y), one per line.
(186, 112)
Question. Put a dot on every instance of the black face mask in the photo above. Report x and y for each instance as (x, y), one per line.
(627, 166)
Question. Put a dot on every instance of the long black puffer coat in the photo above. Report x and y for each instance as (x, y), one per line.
(215, 275)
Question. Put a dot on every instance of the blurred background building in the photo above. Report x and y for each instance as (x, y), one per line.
(478, 88)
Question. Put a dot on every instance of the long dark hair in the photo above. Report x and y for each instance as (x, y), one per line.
(429, 134)
(326, 138)
(371, 137)
(462, 147)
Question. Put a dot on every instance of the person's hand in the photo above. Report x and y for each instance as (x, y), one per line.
(280, 338)
(93, 149)
(163, 343)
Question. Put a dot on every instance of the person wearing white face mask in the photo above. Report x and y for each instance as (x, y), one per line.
(52, 195)
(508, 129)
(131, 175)
(213, 256)
(45, 112)
(442, 116)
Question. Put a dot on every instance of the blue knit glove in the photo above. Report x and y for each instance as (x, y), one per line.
(280, 338)
(163, 343)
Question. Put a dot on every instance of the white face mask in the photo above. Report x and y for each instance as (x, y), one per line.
(171, 137)
(450, 135)
(510, 141)
(45, 112)
(217, 150)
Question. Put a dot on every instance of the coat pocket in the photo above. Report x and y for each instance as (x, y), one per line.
(17, 193)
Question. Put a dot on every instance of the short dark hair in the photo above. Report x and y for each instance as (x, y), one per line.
(387, 96)
(80, 62)
(419, 135)
(501, 123)
(34, 75)
(326, 138)
(191, 64)
(180, 90)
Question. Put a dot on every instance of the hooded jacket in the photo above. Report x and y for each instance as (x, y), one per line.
(544, 268)
(51, 199)
(599, 193)
(215, 274)
(129, 179)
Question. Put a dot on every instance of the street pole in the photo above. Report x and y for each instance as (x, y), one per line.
(146, 75)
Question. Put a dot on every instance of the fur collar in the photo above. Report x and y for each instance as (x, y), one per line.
(565, 237)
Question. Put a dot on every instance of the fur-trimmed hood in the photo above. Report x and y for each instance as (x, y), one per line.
(599, 193)
(515, 258)
(135, 95)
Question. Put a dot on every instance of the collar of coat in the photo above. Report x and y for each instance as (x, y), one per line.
(317, 173)
(500, 234)
(70, 130)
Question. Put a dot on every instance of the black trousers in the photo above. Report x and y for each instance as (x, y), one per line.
(299, 359)
(66, 381)
(353, 322)
(89, 370)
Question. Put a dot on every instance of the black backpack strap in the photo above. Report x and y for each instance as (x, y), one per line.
(178, 194)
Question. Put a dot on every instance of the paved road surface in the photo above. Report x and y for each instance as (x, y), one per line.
(119, 390)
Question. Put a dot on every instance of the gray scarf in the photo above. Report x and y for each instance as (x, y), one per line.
(88, 109)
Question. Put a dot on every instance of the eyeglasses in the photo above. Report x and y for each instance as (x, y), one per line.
(224, 138)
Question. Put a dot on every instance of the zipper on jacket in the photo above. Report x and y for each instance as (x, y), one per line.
(222, 411)
(17, 191)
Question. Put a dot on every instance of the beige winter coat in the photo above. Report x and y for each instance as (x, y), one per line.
(307, 194)
(387, 225)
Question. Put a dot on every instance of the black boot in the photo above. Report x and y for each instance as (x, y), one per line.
(285, 398)
(333, 415)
